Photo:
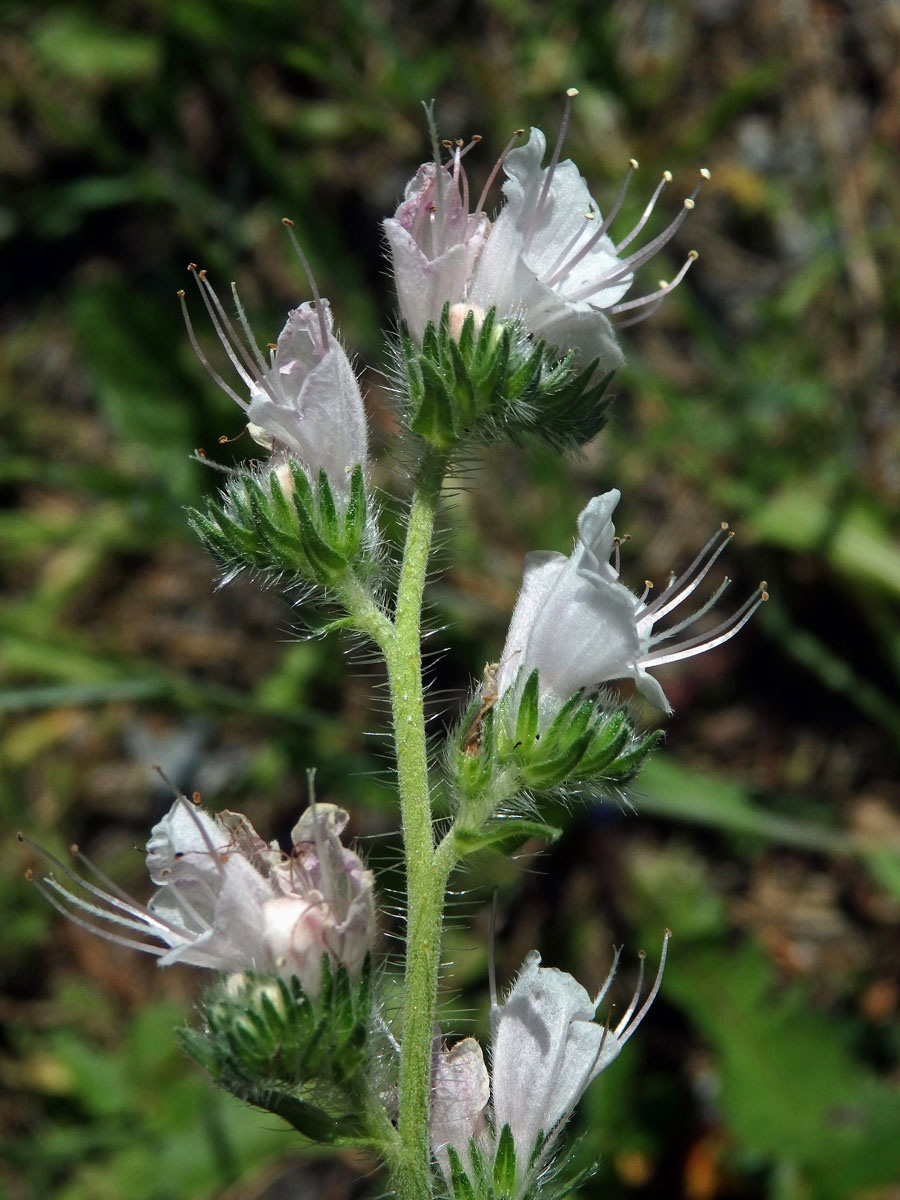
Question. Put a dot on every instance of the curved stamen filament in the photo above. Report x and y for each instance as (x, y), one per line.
(123, 903)
(234, 338)
(654, 991)
(695, 616)
(310, 278)
(627, 266)
(248, 332)
(680, 587)
(131, 943)
(252, 381)
(482, 199)
(645, 216)
(607, 983)
(560, 270)
(626, 1016)
(703, 642)
(551, 168)
(204, 361)
(663, 289)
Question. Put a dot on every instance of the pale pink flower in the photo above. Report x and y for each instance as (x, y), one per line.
(229, 901)
(434, 243)
(304, 401)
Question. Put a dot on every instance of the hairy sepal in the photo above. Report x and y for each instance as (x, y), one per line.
(304, 536)
(489, 382)
(265, 1040)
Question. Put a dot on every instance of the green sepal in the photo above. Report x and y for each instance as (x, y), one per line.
(304, 535)
(527, 716)
(460, 1183)
(505, 1165)
(503, 835)
(493, 383)
(267, 1041)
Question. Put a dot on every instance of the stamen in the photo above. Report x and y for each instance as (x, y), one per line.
(654, 991)
(626, 1016)
(482, 199)
(304, 263)
(204, 361)
(560, 270)
(680, 587)
(663, 289)
(131, 943)
(722, 633)
(571, 93)
(250, 380)
(124, 904)
(248, 332)
(645, 216)
(695, 616)
(233, 336)
(609, 978)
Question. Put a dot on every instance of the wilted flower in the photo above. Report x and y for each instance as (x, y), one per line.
(460, 1090)
(546, 1047)
(579, 627)
(434, 242)
(304, 401)
(229, 901)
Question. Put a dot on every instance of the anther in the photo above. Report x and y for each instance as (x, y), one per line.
(705, 174)
(667, 176)
(688, 203)
(29, 875)
(633, 163)
(571, 93)
(180, 293)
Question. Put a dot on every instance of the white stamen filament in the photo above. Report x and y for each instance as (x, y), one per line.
(204, 361)
(662, 290)
(703, 642)
(645, 216)
(311, 280)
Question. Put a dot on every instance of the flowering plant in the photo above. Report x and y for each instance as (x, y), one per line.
(509, 330)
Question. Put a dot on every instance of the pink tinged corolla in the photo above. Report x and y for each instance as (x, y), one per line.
(229, 901)
(302, 401)
(580, 627)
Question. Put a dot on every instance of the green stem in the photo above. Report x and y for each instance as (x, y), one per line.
(426, 872)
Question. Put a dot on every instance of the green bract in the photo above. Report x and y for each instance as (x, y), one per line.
(475, 379)
(500, 752)
(277, 524)
(267, 1041)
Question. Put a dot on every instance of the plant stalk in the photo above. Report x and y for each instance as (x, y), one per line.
(426, 873)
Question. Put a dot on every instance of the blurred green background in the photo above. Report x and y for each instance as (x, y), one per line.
(136, 135)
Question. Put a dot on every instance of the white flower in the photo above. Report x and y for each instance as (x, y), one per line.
(550, 261)
(579, 627)
(546, 1048)
(229, 901)
(434, 242)
(304, 401)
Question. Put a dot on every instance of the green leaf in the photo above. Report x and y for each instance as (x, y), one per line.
(503, 835)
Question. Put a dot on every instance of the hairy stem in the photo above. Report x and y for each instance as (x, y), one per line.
(426, 873)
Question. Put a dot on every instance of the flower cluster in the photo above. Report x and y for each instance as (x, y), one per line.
(547, 261)
(546, 1048)
(229, 901)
